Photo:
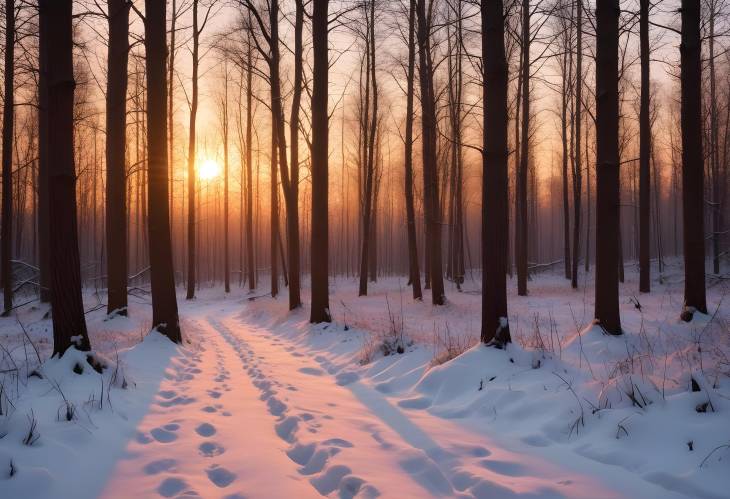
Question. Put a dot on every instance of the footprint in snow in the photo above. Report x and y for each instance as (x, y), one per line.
(211, 449)
(221, 477)
(171, 487)
(165, 434)
(205, 430)
(156, 467)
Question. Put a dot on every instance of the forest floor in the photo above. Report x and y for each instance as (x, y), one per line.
(259, 403)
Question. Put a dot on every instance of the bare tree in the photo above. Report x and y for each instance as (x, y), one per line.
(495, 325)
(164, 302)
(429, 139)
(607, 166)
(7, 157)
(692, 162)
(192, 257)
(644, 153)
(320, 175)
(116, 174)
(414, 276)
(69, 323)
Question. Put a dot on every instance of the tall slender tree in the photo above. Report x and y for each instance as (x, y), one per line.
(7, 158)
(44, 230)
(320, 169)
(413, 267)
(644, 153)
(116, 174)
(428, 142)
(69, 323)
(578, 154)
(495, 325)
(192, 226)
(164, 302)
(692, 162)
(607, 166)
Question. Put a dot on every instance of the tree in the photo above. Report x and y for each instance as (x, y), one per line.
(249, 164)
(224, 130)
(607, 166)
(428, 139)
(578, 167)
(644, 153)
(369, 129)
(7, 157)
(521, 221)
(116, 175)
(69, 323)
(320, 169)
(414, 272)
(44, 230)
(692, 162)
(197, 30)
(269, 50)
(495, 325)
(164, 303)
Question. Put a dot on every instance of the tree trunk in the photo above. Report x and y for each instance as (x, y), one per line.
(116, 174)
(607, 167)
(414, 272)
(320, 175)
(226, 241)
(577, 172)
(521, 191)
(292, 198)
(495, 325)
(170, 113)
(565, 99)
(644, 154)
(192, 257)
(69, 323)
(7, 158)
(692, 162)
(370, 128)
(164, 302)
(716, 203)
(249, 166)
(430, 172)
(44, 256)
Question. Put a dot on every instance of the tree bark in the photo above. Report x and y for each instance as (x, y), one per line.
(44, 257)
(249, 166)
(644, 154)
(164, 302)
(521, 194)
(7, 158)
(116, 137)
(578, 171)
(692, 162)
(192, 257)
(69, 323)
(320, 175)
(495, 325)
(607, 167)
(430, 172)
(414, 272)
(226, 239)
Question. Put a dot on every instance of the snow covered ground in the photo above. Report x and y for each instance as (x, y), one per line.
(259, 403)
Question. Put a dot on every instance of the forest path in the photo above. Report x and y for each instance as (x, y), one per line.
(249, 413)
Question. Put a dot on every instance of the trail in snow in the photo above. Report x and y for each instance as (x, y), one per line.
(251, 414)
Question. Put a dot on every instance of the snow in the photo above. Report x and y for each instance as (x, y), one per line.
(259, 403)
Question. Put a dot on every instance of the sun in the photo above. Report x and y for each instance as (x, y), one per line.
(208, 170)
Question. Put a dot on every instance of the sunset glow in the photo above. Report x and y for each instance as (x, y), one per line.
(209, 169)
